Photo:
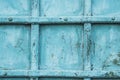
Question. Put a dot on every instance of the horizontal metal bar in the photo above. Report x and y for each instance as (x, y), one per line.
(59, 73)
(57, 20)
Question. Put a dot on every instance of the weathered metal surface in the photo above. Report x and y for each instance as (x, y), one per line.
(14, 47)
(56, 51)
(59, 40)
(15, 7)
(105, 7)
(14, 39)
(106, 55)
(61, 7)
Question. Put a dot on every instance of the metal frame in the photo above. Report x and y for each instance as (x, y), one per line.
(34, 38)
(87, 74)
(35, 20)
(58, 20)
(87, 33)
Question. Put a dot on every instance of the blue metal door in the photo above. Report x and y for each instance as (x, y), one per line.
(59, 40)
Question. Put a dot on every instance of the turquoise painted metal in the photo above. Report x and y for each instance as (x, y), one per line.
(59, 40)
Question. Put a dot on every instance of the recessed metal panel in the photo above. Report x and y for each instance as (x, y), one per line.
(61, 7)
(61, 47)
(105, 7)
(105, 47)
(14, 47)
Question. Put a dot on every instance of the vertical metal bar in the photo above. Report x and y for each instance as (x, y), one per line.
(87, 44)
(34, 37)
(87, 37)
(87, 8)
